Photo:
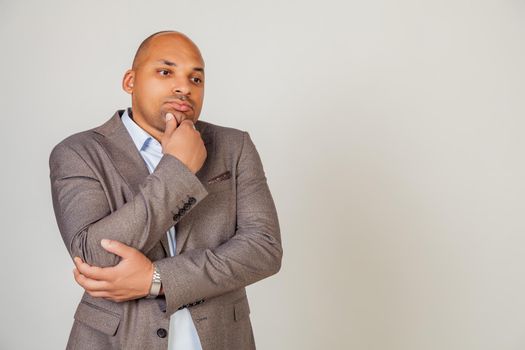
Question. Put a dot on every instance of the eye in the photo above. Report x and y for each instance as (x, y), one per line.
(164, 72)
(196, 80)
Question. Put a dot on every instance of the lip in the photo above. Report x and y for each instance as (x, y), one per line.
(180, 106)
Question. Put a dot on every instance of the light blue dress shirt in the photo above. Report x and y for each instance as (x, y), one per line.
(182, 333)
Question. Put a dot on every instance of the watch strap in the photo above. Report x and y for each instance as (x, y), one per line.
(155, 283)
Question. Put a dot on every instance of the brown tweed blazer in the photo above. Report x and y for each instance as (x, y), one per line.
(227, 233)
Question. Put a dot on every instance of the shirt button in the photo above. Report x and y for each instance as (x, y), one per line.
(162, 333)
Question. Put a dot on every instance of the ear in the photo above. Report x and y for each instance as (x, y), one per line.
(128, 81)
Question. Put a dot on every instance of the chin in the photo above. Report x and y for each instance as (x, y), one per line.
(181, 116)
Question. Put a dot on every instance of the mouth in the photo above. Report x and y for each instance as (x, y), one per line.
(180, 106)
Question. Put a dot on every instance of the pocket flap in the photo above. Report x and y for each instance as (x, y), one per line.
(241, 309)
(98, 318)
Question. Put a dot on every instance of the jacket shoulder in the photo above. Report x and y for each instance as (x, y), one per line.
(85, 140)
(76, 143)
(224, 135)
(221, 130)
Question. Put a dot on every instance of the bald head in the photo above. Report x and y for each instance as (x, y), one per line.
(162, 38)
(167, 76)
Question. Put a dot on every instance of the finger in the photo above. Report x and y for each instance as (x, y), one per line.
(179, 119)
(187, 122)
(118, 248)
(81, 265)
(77, 261)
(89, 284)
(104, 295)
(171, 124)
(93, 272)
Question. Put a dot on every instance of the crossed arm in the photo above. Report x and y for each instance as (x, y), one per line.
(254, 252)
(129, 279)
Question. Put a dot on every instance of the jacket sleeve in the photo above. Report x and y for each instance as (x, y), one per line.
(253, 253)
(85, 215)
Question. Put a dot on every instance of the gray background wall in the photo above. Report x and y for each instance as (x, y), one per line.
(391, 133)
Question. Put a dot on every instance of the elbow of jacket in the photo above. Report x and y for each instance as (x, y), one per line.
(91, 252)
(274, 265)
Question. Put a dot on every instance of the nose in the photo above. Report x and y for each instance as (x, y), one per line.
(181, 86)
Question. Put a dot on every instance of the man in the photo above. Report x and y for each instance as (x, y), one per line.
(168, 218)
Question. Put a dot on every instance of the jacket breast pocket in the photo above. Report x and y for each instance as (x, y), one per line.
(98, 318)
(220, 183)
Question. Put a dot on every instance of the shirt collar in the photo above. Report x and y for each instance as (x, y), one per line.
(140, 137)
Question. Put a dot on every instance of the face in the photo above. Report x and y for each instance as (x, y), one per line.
(168, 77)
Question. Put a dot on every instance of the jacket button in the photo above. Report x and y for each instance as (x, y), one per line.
(162, 333)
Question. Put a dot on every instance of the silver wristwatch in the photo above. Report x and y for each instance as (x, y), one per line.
(155, 283)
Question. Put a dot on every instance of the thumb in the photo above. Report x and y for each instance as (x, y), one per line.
(117, 248)
(171, 125)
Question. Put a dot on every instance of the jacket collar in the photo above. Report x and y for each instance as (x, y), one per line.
(114, 124)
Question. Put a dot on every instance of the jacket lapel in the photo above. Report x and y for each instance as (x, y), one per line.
(127, 160)
(123, 152)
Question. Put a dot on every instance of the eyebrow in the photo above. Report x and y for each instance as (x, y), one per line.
(173, 64)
